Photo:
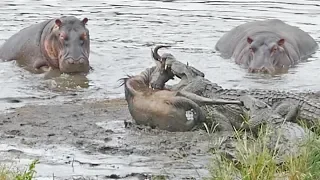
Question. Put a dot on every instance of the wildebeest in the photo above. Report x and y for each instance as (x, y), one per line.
(161, 108)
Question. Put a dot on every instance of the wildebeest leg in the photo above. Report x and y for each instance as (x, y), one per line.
(189, 105)
(206, 101)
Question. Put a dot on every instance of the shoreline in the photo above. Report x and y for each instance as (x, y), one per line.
(88, 138)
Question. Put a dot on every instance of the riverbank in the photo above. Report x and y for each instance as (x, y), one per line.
(88, 139)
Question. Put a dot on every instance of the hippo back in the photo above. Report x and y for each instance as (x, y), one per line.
(26, 40)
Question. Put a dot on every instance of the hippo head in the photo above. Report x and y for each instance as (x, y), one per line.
(162, 73)
(266, 55)
(68, 45)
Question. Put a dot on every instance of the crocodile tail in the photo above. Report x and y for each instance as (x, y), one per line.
(189, 106)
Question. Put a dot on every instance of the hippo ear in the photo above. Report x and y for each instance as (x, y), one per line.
(281, 42)
(249, 40)
(58, 22)
(84, 21)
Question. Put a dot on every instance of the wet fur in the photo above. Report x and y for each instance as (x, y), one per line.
(159, 108)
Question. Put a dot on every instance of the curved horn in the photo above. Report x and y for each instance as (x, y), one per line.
(155, 54)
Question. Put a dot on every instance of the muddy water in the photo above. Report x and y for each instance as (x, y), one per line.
(123, 31)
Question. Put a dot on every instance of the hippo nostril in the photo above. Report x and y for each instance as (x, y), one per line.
(70, 61)
(264, 70)
(251, 70)
(81, 61)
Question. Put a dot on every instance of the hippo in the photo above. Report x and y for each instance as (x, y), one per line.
(161, 108)
(266, 46)
(62, 44)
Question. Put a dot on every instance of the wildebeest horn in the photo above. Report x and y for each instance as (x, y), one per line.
(155, 54)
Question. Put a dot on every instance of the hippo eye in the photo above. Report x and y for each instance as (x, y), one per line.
(63, 37)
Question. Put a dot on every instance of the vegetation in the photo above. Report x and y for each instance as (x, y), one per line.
(257, 162)
(7, 173)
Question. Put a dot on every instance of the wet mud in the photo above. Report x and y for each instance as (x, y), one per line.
(98, 140)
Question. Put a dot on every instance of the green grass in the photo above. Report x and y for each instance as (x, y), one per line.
(8, 173)
(257, 162)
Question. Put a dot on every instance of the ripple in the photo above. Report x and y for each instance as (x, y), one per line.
(123, 31)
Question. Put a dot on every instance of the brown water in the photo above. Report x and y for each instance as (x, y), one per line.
(123, 31)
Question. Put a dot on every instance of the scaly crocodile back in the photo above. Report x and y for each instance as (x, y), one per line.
(309, 109)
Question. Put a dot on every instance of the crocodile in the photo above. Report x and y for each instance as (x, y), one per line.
(280, 110)
(193, 81)
(280, 101)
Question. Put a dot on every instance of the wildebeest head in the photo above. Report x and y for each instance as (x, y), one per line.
(162, 73)
(68, 45)
(265, 54)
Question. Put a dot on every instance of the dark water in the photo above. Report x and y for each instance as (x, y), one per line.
(122, 33)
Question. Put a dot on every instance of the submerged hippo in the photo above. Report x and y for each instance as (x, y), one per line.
(266, 46)
(62, 44)
(164, 109)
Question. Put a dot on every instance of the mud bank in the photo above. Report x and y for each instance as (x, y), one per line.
(97, 140)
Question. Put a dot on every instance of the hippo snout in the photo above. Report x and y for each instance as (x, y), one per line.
(76, 61)
(261, 70)
(71, 65)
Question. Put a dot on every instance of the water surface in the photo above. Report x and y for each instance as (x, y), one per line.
(123, 31)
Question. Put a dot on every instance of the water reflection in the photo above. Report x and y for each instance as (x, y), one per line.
(64, 82)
